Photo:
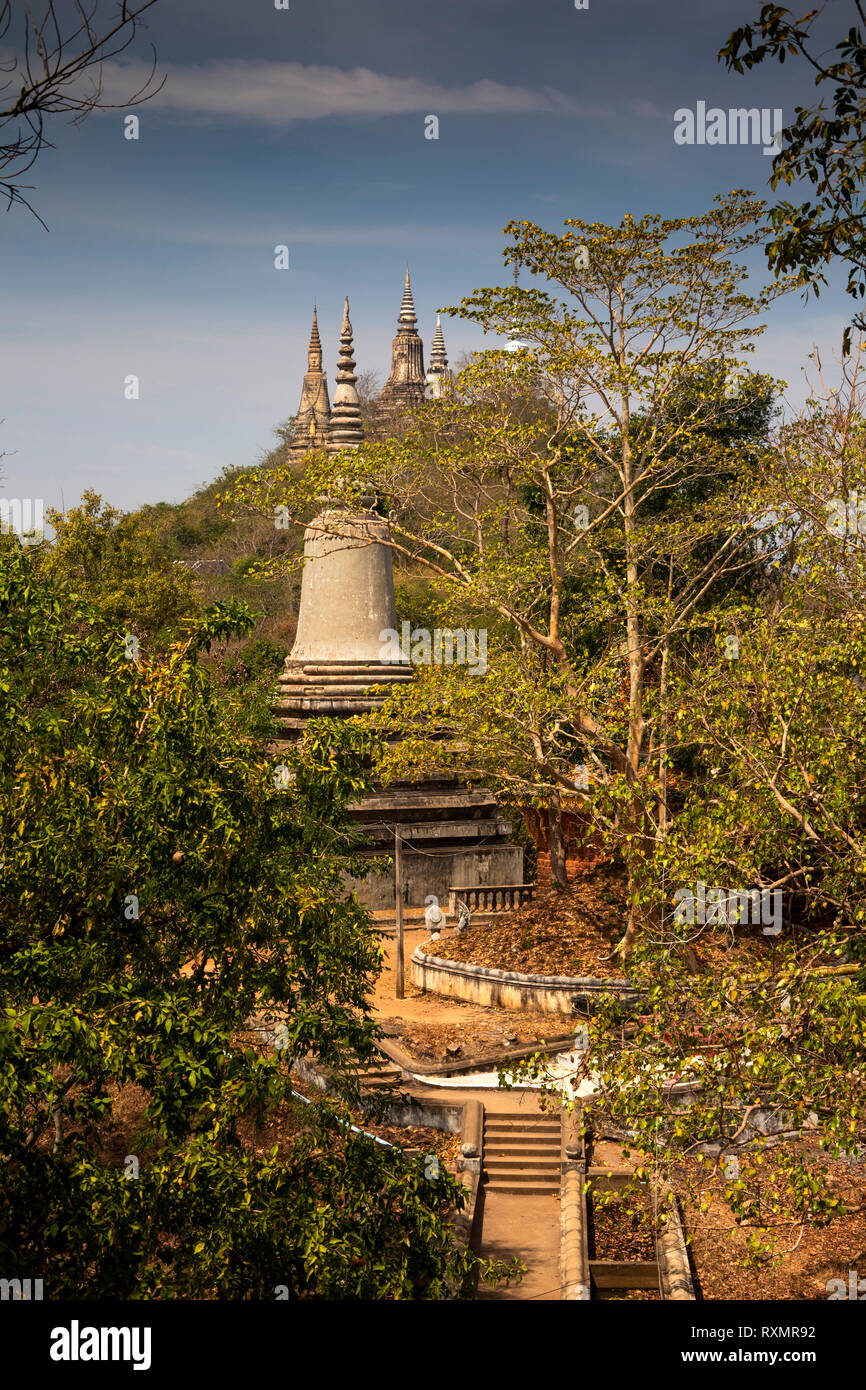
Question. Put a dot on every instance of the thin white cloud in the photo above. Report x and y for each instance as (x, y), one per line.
(147, 217)
(640, 107)
(275, 93)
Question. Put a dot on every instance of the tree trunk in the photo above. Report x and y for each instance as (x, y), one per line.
(556, 843)
(663, 742)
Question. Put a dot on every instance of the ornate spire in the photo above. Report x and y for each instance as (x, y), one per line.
(314, 412)
(406, 321)
(438, 372)
(346, 430)
(405, 386)
(314, 352)
(515, 342)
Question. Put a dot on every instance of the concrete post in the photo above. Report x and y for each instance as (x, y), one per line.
(398, 913)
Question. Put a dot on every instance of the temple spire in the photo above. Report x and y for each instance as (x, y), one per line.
(407, 319)
(310, 429)
(405, 387)
(346, 430)
(438, 372)
(314, 352)
(438, 359)
(515, 342)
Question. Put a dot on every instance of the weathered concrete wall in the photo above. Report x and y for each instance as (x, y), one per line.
(574, 1238)
(509, 989)
(424, 874)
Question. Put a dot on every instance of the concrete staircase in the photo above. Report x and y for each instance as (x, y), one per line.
(522, 1154)
(380, 1078)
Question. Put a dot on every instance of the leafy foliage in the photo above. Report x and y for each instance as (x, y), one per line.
(163, 884)
(825, 147)
(117, 562)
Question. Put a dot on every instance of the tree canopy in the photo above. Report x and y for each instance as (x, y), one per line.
(163, 885)
(824, 145)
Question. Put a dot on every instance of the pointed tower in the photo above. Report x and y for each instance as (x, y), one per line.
(438, 373)
(311, 422)
(346, 430)
(405, 386)
(515, 342)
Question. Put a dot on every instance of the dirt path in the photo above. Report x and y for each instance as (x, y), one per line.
(418, 1007)
(425, 1007)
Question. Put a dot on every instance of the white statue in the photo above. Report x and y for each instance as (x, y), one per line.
(434, 916)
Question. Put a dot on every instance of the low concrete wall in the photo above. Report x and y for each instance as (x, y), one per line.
(465, 1118)
(574, 1239)
(464, 1221)
(509, 989)
(675, 1275)
(482, 1061)
(574, 1226)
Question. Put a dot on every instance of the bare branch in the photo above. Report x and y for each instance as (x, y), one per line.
(57, 70)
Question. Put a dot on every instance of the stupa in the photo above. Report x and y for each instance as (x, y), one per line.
(345, 430)
(310, 430)
(439, 374)
(452, 835)
(406, 386)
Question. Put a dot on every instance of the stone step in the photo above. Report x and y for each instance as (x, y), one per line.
(510, 1164)
(523, 1141)
(548, 1132)
(528, 1185)
(539, 1151)
(378, 1080)
(516, 1136)
(520, 1121)
(506, 1131)
(505, 1117)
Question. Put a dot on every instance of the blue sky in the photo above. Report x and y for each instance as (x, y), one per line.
(306, 127)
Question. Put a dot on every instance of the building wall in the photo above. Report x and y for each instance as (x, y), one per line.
(425, 875)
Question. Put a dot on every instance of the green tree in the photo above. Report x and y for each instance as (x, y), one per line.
(163, 884)
(764, 1017)
(562, 494)
(117, 562)
(824, 146)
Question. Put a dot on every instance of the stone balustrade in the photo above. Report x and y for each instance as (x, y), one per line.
(490, 897)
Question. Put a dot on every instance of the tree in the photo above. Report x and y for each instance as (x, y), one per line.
(57, 55)
(827, 148)
(781, 728)
(164, 883)
(533, 493)
(116, 561)
(763, 1014)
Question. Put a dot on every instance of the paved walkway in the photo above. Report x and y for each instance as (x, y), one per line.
(527, 1226)
(507, 1223)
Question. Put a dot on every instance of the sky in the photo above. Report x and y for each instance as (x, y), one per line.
(305, 127)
